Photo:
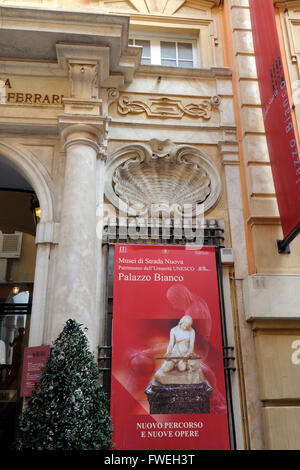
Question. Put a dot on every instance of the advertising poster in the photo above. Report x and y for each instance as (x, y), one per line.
(277, 114)
(168, 387)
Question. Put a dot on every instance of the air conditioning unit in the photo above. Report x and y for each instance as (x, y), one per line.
(10, 245)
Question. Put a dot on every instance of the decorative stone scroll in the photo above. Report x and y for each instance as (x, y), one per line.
(165, 107)
(163, 175)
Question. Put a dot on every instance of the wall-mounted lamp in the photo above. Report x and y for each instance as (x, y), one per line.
(35, 209)
(15, 290)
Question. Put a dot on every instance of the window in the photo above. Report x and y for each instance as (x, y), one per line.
(171, 53)
(178, 54)
(146, 54)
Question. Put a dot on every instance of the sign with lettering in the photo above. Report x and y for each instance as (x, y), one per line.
(34, 360)
(168, 388)
(20, 91)
(281, 140)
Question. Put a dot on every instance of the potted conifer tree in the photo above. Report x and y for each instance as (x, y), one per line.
(68, 409)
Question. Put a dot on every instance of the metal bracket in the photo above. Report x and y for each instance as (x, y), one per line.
(105, 349)
(283, 247)
(227, 358)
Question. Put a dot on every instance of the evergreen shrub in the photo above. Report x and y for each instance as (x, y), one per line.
(68, 409)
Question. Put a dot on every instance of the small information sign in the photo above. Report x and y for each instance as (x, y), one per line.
(34, 360)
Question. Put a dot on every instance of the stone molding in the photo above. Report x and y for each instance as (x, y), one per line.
(292, 24)
(47, 232)
(286, 3)
(260, 302)
(229, 152)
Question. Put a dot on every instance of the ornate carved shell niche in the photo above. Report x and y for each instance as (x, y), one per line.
(144, 180)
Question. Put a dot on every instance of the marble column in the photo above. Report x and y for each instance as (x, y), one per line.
(76, 267)
(83, 129)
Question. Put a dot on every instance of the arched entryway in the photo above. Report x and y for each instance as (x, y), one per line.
(21, 179)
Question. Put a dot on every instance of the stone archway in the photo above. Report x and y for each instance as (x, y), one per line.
(35, 173)
(24, 270)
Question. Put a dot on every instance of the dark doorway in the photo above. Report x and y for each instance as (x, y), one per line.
(17, 265)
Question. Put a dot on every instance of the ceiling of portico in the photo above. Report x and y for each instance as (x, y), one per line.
(159, 7)
(10, 178)
(145, 7)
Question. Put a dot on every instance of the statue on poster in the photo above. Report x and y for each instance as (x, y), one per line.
(181, 365)
(184, 368)
(179, 385)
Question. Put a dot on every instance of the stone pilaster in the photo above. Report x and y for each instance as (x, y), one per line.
(46, 237)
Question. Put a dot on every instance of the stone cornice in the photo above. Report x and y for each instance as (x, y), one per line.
(263, 220)
(212, 72)
(33, 34)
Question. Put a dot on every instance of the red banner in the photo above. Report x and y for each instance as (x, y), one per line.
(34, 360)
(277, 114)
(168, 388)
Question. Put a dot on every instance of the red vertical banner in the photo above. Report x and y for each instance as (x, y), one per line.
(277, 114)
(168, 386)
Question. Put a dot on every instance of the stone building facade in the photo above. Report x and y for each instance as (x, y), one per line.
(89, 86)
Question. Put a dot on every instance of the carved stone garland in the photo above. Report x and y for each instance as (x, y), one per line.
(165, 107)
(159, 176)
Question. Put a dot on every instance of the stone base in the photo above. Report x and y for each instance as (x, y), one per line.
(179, 399)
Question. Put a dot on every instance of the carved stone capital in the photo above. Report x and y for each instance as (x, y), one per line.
(112, 95)
(91, 131)
(229, 151)
(102, 153)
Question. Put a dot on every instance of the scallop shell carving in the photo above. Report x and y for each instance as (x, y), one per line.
(159, 181)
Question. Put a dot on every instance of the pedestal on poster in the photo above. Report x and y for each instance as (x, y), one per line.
(179, 398)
